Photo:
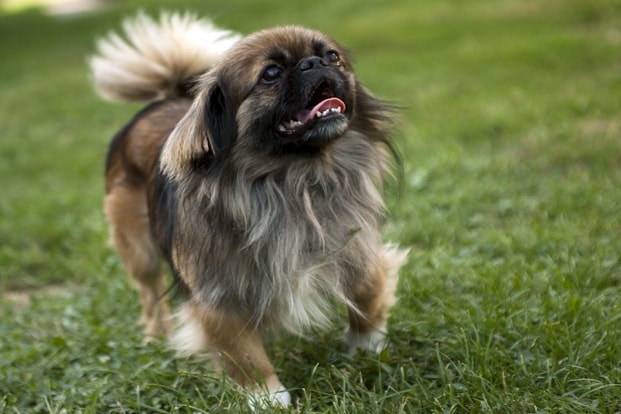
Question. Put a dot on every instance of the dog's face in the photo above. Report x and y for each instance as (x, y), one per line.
(285, 89)
(300, 89)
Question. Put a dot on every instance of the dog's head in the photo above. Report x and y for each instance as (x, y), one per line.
(300, 90)
(283, 90)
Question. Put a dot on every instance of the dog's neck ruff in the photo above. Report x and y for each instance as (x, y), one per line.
(279, 247)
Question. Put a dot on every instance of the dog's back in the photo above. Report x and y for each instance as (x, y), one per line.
(134, 151)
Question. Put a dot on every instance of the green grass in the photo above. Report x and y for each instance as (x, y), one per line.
(511, 201)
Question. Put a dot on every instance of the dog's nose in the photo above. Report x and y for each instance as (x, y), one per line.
(314, 62)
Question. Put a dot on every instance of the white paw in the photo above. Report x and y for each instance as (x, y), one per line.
(262, 400)
(374, 341)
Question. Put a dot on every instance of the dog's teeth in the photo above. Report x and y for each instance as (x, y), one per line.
(289, 125)
(335, 110)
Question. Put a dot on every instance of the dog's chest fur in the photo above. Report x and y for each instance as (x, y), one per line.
(279, 249)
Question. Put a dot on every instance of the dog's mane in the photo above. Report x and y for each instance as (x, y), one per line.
(292, 235)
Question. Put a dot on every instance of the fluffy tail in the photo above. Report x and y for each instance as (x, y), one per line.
(157, 59)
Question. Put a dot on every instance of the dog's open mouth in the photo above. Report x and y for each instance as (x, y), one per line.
(324, 105)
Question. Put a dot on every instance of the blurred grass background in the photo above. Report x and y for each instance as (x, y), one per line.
(511, 141)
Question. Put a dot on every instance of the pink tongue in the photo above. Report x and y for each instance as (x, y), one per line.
(305, 115)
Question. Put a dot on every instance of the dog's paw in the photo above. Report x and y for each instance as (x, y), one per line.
(262, 400)
(373, 341)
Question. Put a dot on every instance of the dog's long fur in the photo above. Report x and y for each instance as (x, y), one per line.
(259, 235)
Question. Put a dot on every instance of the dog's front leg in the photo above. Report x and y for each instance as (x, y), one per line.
(372, 297)
(368, 316)
(240, 349)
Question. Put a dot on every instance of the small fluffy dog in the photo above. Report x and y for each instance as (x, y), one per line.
(256, 171)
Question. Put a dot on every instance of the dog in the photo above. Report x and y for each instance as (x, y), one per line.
(256, 171)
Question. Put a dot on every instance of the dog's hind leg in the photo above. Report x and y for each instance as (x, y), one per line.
(372, 299)
(125, 207)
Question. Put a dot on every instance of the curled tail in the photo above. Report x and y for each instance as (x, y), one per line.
(156, 59)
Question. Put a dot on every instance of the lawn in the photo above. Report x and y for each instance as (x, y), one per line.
(510, 199)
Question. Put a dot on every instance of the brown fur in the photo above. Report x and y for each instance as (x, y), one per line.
(263, 230)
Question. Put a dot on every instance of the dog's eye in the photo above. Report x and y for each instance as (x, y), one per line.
(332, 57)
(271, 74)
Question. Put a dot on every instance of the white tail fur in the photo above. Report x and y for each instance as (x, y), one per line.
(156, 59)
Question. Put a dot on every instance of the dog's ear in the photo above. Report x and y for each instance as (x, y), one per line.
(374, 117)
(186, 143)
(219, 117)
(206, 129)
